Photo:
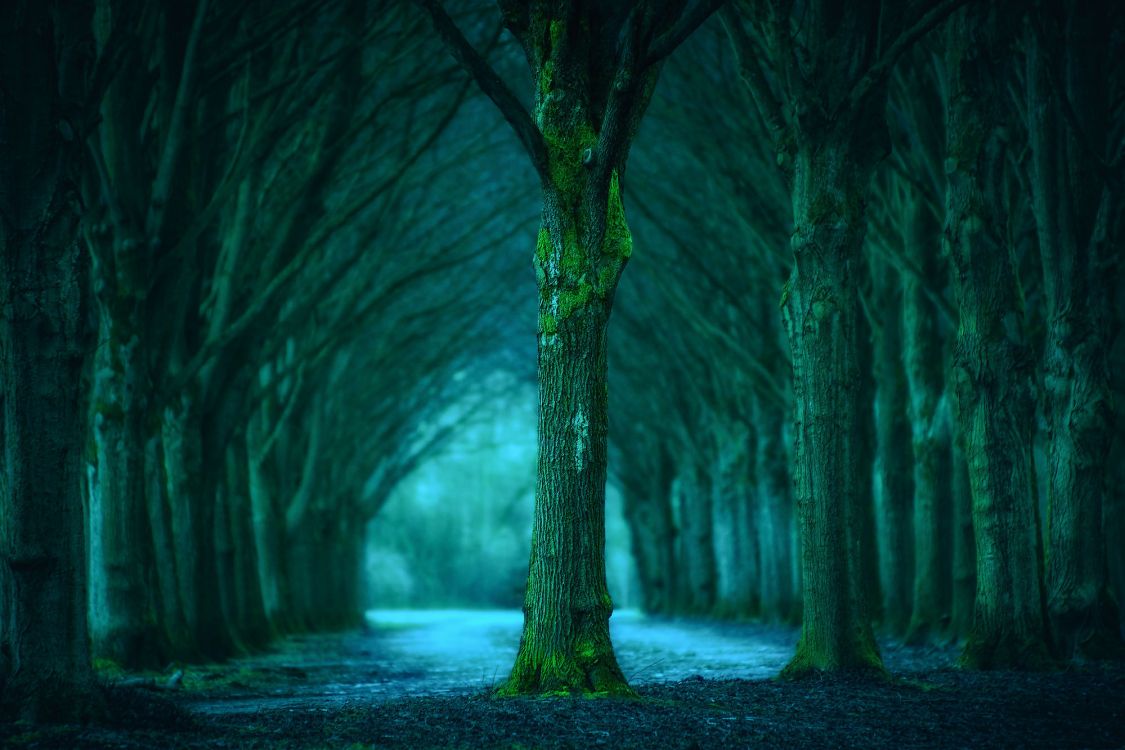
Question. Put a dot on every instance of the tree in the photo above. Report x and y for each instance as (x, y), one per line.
(45, 67)
(818, 75)
(1076, 182)
(594, 67)
(993, 361)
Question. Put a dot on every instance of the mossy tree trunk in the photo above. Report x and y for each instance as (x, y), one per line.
(994, 367)
(1073, 205)
(565, 644)
(594, 69)
(45, 343)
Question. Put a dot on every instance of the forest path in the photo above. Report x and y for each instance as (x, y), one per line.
(442, 652)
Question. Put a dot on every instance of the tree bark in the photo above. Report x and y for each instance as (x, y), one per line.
(565, 644)
(1072, 209)
(45, 671)
(819, 305)
(994, 367)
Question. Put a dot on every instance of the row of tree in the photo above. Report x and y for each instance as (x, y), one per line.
(952, 305)
(233, 318)
(240, 200)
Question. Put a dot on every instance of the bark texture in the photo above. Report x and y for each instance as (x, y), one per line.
(994, 367)
(820, 306)
(45, 669)
(1073, 208)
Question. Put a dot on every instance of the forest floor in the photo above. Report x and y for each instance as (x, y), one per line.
(423, 680)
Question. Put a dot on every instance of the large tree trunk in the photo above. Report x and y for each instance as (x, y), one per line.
(44, 343)
(923, 359)
(565, 644)
(820, 306)
(993, 364)
(1072, 211)
(894, 460)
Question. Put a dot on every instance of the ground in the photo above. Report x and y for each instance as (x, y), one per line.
(422, 680)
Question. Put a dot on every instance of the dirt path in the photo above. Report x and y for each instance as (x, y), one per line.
(448, 652)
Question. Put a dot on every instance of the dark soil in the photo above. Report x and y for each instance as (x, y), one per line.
(422, 680)
(936, 708)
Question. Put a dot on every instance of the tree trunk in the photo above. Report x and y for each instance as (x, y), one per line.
(45, 671)
(247, 613)
(964, 540)
(734, 533)
(269, 527)
(923, 358)
(894, 462)
(1114, 510)
(696, 540)
(775, 516)
(819, 305)
(124, 624)
(193, 530)
(565, 644)
(866, 451)
(1072, 210)
(649, 514)
(993, 364)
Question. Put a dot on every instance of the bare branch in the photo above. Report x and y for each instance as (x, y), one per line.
(881, 68)
(490, 83)
(667, 42)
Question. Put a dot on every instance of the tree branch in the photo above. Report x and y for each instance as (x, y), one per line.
(667, 42)
(490, 83)
(173, 146)
(754, 77)
(882, 67)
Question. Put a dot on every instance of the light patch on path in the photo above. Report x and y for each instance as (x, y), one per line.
(439, 652)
